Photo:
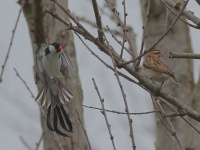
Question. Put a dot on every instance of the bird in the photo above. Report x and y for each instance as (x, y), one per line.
(51, 61)
(157, 70)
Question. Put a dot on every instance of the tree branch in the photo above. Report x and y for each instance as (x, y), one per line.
(123, 113)
(98, 20)
(184, 55)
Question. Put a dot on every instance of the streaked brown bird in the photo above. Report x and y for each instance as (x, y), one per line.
(156, 70)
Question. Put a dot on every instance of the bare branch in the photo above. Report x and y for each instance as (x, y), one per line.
(98, 20)
(119, 42)
(183, 20)
(122, 113)
(27, 87)
(32, 95)
(11, 41)
(124, 28)
(184, 55)
(104, 114)
(188, 14)
(144, 32)
(173, 131)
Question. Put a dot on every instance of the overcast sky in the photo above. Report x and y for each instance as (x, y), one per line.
(19, 114)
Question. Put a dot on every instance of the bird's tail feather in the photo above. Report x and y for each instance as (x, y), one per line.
(173, 78)
(55, 107)
(59, 117)
(46, 96)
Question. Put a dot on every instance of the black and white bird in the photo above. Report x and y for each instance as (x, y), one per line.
(50, 62)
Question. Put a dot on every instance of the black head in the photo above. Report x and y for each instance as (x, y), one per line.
(56, 47)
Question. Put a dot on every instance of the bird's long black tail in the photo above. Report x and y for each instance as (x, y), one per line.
(54, 95)
(59, 117)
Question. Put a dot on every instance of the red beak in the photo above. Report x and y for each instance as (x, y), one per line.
(60, 48)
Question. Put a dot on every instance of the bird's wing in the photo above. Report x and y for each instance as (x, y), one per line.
(157, 65)
(40, 75)
(66, 66)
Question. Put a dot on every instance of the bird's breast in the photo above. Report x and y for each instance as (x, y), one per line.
(52, 65)
(154, 75)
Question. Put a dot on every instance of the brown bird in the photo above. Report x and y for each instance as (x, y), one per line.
(156, 70)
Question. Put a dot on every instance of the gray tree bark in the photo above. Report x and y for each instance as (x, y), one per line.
(44, 29)
(177, 40)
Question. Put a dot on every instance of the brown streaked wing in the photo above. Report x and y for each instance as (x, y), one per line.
(157, 65)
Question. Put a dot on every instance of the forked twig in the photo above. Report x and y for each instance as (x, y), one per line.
(104, 113)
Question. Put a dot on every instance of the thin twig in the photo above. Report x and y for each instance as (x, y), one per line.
(11, 41)
(124, 28)
(98, 20)
(104, 114)
(130, 121)
(184, 55)
(122, 113)
(115, 38)
(85, 132)
(18, 75)
(144, 32)
(29, 90)
(39, 142)
(167, 19)
(161, 120)
(173, 131)
(198, 131)
(174, 114)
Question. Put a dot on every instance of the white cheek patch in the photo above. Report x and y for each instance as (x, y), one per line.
(52, 48)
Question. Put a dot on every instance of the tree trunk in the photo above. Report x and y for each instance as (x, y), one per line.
(177, 40)
(45, 29)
